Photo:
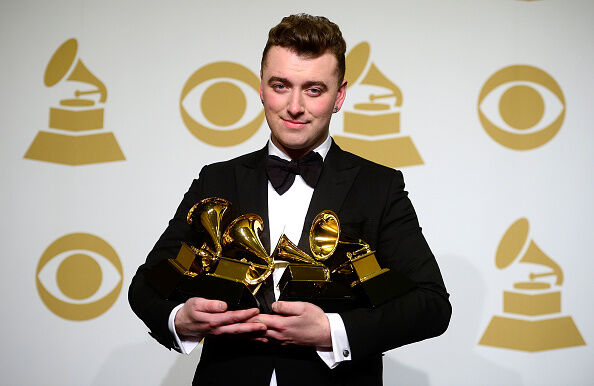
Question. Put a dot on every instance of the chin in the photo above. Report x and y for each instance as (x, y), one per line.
(294, 146)
(292, 142)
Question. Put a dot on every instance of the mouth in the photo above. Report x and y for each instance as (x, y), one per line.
(293, 124)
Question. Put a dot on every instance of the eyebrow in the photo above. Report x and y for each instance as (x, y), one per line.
(308, 84)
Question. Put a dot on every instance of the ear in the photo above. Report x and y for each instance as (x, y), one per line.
(261, 89)
(341, 94)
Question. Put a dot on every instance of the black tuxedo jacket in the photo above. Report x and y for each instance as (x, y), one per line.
(371, 204)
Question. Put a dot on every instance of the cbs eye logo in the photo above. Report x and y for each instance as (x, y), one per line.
(521, 107)
(79, 276)
(213, 104)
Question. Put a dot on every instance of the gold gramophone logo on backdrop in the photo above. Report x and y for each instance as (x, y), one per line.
(532, 318)
(79, 276)
(372, 128)
(76, 135)
(521, 107)
(214, 106)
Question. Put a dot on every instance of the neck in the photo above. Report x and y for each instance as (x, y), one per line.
(296, 154)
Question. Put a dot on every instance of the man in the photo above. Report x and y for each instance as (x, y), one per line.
(296, 343)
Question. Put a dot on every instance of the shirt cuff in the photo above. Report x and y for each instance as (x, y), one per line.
(341, 350)
(185, 346)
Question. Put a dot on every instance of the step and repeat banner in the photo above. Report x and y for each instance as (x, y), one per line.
(110, 109)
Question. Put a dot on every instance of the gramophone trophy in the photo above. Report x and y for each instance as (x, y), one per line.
(352, 262)
(168, 274)
(306, 279)
(207, 216)
(230, 266)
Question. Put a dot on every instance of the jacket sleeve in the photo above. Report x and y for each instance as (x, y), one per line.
(421, 313)
(150, 307)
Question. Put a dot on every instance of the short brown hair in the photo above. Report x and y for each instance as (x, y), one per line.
(310, 36)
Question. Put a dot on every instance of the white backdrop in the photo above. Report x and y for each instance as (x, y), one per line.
(468, 191)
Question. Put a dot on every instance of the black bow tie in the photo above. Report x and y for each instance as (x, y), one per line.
(281, 173)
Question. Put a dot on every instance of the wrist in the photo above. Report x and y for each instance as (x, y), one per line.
(326, 335)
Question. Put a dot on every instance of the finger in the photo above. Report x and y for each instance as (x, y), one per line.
(276, 322)
(254, 319)
(289, 308)
(230, 317)
(240, 328)
(207, 305)
(276, 335)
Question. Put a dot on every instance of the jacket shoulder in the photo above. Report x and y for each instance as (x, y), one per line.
(369, 166)
(249, 159)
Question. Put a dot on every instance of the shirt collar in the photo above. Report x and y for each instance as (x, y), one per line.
(322, 149)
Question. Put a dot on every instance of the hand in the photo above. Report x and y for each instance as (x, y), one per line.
(199, 317)
(298, 323)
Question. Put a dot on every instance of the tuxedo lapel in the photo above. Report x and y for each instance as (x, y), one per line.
(252, 189)
(335, 182)
(337, 176)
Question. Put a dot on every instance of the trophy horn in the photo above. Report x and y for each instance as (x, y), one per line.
(286, 250)
(352, 261)
(211, 213)
(241, 241)
(325, 238)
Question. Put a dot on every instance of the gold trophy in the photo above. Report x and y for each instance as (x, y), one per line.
(352, 262)
(208, 216)
(242, 244)
(306, 279)
(229, 267)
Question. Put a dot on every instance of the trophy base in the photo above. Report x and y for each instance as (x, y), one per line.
(167, 274)
(309, 284)
(237, 295)
(164, 278)
(383, 287)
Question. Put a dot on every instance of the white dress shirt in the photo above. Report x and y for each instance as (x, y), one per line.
(286, 214)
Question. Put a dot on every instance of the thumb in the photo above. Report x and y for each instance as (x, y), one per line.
(288, 308)
(207, 305)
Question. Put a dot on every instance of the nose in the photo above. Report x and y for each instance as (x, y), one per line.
(295, 106)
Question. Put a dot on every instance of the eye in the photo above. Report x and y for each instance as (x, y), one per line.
(79, 276)
(215, 103)
(314, 91)
(521, 107)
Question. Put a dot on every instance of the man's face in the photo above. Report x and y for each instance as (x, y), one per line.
(299, 96)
